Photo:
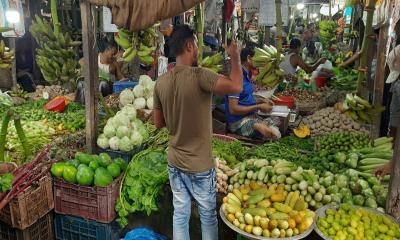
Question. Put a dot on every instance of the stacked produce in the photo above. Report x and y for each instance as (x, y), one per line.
(349, 222)
(123, 131)
(371, 158)
(144, 177)
(329, 120)
(345, 79)
(37, 136)
(141, 96)
(267, 210)
(56, 55)
(66, 146)
(89, 170)
(233, 152)
(72, 119)
(327, 32)
(158, 138)
(47, 91)
(301, 95)
(213, 62)
(140, 44)
(112, 101)
(359, 109)
(223, 172)
(6, 56)
(267, 61)
(343, 141)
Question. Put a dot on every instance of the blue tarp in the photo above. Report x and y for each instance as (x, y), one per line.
(143, 234)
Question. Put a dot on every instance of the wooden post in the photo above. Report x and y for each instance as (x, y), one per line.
(393, 200)
(379, 82)
(267, 35)
(90, 74)
(278, 6)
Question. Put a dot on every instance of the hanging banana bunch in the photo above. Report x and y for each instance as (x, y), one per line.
(56, 54)
(140, 44)
(265, 59)
(6, 56)
(213, 63)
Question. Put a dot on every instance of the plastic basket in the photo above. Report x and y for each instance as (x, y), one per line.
(41, 230)
(30, 205)
(127, 156)
(95, 203)
(121, 85)
(76, 228)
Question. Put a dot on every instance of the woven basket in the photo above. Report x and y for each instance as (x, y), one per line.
(310, 107)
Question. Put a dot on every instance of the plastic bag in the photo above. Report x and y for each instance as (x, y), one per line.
(143, 234)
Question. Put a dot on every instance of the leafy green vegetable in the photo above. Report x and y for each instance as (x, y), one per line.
(6, 182)
(233, 152)
(145, 175)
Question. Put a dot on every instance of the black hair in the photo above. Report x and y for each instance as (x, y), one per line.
(295, 43)
(106, 42)
(246, 52)
(180, 35)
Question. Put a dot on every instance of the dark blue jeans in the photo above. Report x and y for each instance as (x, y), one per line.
(201, 187)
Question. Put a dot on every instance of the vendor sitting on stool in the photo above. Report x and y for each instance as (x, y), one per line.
(241, 109)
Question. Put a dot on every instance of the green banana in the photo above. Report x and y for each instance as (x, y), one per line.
(123, 42)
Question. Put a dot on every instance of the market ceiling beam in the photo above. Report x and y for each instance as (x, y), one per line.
(90, 75)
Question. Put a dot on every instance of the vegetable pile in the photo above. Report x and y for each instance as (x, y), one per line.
(89, 170)
(6, 182)
(327, 32)
(344, 79)
(141, 185)
(330, 120)
(359, 109)
(123, 131)
(141, 96)
(232, 152)
(301, 95)
(223, 172)
(349, 222)
(267, 210)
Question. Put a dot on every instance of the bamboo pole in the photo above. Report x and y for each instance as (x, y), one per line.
(362, 69)
(54, 16)
(278, 5)
(200, 30)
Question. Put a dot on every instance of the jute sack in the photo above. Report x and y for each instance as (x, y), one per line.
(5, 79)
(136, 15)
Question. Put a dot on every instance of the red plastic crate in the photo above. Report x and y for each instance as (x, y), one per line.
(30, 205)
(95, 203)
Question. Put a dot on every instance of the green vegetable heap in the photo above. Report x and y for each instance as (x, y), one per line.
(88, 170)
(327, 32)
(232, 152)
(145, 175)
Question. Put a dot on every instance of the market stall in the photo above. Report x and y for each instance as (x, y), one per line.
(99, 170)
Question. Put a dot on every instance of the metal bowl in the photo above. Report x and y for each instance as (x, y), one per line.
(254, 237)
(321, 213)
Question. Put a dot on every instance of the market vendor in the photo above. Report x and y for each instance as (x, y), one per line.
(182, 104)
(108, 68)
(393, 61)
(241, 109)
(293, 60)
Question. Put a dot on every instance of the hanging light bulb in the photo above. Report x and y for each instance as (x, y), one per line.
(300, 6)
(12, 16)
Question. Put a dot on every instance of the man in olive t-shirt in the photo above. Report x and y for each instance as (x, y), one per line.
(182, 103)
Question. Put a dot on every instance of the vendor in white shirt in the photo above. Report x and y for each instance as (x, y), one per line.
(293, 60)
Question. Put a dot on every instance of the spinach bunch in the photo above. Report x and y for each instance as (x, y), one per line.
(144, 177)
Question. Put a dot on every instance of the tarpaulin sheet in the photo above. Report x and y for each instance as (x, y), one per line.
(136, 15)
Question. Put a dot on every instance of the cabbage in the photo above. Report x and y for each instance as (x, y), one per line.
(136, 138)
(139, 103)
(123, 131)
(126, 97)
(102, 141)
(109, 130)
(144, 80)
(150, 103)
(125, 144)
(120, 119)
(138, 91)
(114, 143)
(130, 111)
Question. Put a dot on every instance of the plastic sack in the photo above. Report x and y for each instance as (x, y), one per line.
(327, 65)
(143, 234)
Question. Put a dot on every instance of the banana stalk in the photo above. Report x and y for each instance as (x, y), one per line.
(3, 134)
(200, 30)
(370, 8)
(54, 16)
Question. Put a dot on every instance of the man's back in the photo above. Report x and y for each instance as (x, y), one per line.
(185, 95)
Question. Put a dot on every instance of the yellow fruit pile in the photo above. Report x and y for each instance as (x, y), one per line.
(267, 210)
(348, 223)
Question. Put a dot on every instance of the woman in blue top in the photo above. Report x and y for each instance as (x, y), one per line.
(241, 109)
